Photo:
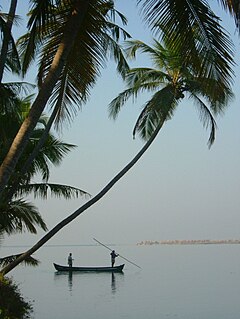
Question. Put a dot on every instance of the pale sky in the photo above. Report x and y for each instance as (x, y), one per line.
(179, 189)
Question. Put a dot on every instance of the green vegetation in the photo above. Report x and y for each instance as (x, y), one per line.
(73, 40)
(12, 304)
(16, 213)
(172, 79)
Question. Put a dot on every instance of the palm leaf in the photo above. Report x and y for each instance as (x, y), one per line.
(18, 216)
(157, 110)
(40, 14)
(116, 104)
(138, 77)
(12, 60)
(10, 93)
(42, 190)
(97, 37)
(29, 261)
(218, 96)
(206, 118)
(232, 6)
(193, 30)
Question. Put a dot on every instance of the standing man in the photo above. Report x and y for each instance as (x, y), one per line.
(113, 256)
(70, 260)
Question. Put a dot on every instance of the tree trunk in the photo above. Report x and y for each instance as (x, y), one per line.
(38, 147)
(44, 94)
(7, 36)
(79, 211)
(9, 194)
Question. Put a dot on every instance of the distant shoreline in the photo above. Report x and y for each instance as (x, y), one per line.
(189, 242)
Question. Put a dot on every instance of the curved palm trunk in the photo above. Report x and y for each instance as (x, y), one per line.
(21, 139)
(6, 38)
(79, 211)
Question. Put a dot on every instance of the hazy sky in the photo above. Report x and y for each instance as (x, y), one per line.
(179, 190)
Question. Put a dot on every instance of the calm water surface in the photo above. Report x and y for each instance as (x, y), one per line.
(180, 282)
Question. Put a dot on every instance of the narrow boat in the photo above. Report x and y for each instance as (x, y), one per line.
(92, 269)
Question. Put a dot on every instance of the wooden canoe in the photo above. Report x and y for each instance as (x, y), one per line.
(92, 269)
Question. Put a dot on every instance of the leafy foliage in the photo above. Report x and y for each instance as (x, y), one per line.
(12, 304)
(30, 261)
(19, 215)
(12, 62)
(170, 80)
(193, 30)
(16, 214)
(97, 40)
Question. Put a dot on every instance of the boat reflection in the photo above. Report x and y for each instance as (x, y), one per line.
(73, 277)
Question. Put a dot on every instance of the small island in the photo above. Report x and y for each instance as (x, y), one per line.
(189, 242)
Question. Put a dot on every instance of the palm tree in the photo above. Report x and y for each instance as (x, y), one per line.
(191, 27)
(76, 79)
(77, 35)
(169, 81)
(52, 152)
(16, 214)
(172, 79)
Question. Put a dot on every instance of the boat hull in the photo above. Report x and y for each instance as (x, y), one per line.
(89, 269)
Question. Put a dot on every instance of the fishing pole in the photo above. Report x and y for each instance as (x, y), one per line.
(118, 254)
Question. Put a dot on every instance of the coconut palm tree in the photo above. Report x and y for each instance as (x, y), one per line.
(17, 214)
(52, 152)
(214, 46)
(191, 27)
(77, 36)
(71, 89)
(170, 81)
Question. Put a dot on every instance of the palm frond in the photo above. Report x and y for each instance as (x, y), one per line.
(218, 96)
(233, 7)
(41, 13)
(18, 216)
(195, 32)
(137, 80)
(206, 118)
(138, 77)
(68, 91)
(132, 46)
(97, 41)
(157, 111)
(42, 190)
(52, 152)
(116, 53)
(171, 79)
(12, 92)
(20, 88)
(116, 104)
(12, 61)
(29, 261)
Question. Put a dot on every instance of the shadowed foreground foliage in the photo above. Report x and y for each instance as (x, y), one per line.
(12, 304)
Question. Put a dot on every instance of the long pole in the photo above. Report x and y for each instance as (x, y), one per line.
(118, 254)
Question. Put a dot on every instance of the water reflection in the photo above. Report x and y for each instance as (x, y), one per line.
(113, 283)
(70, 277)
(70, 281)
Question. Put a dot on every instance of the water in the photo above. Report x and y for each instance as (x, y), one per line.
(175, 282)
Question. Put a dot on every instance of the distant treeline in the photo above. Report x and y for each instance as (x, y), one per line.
(190, 242)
